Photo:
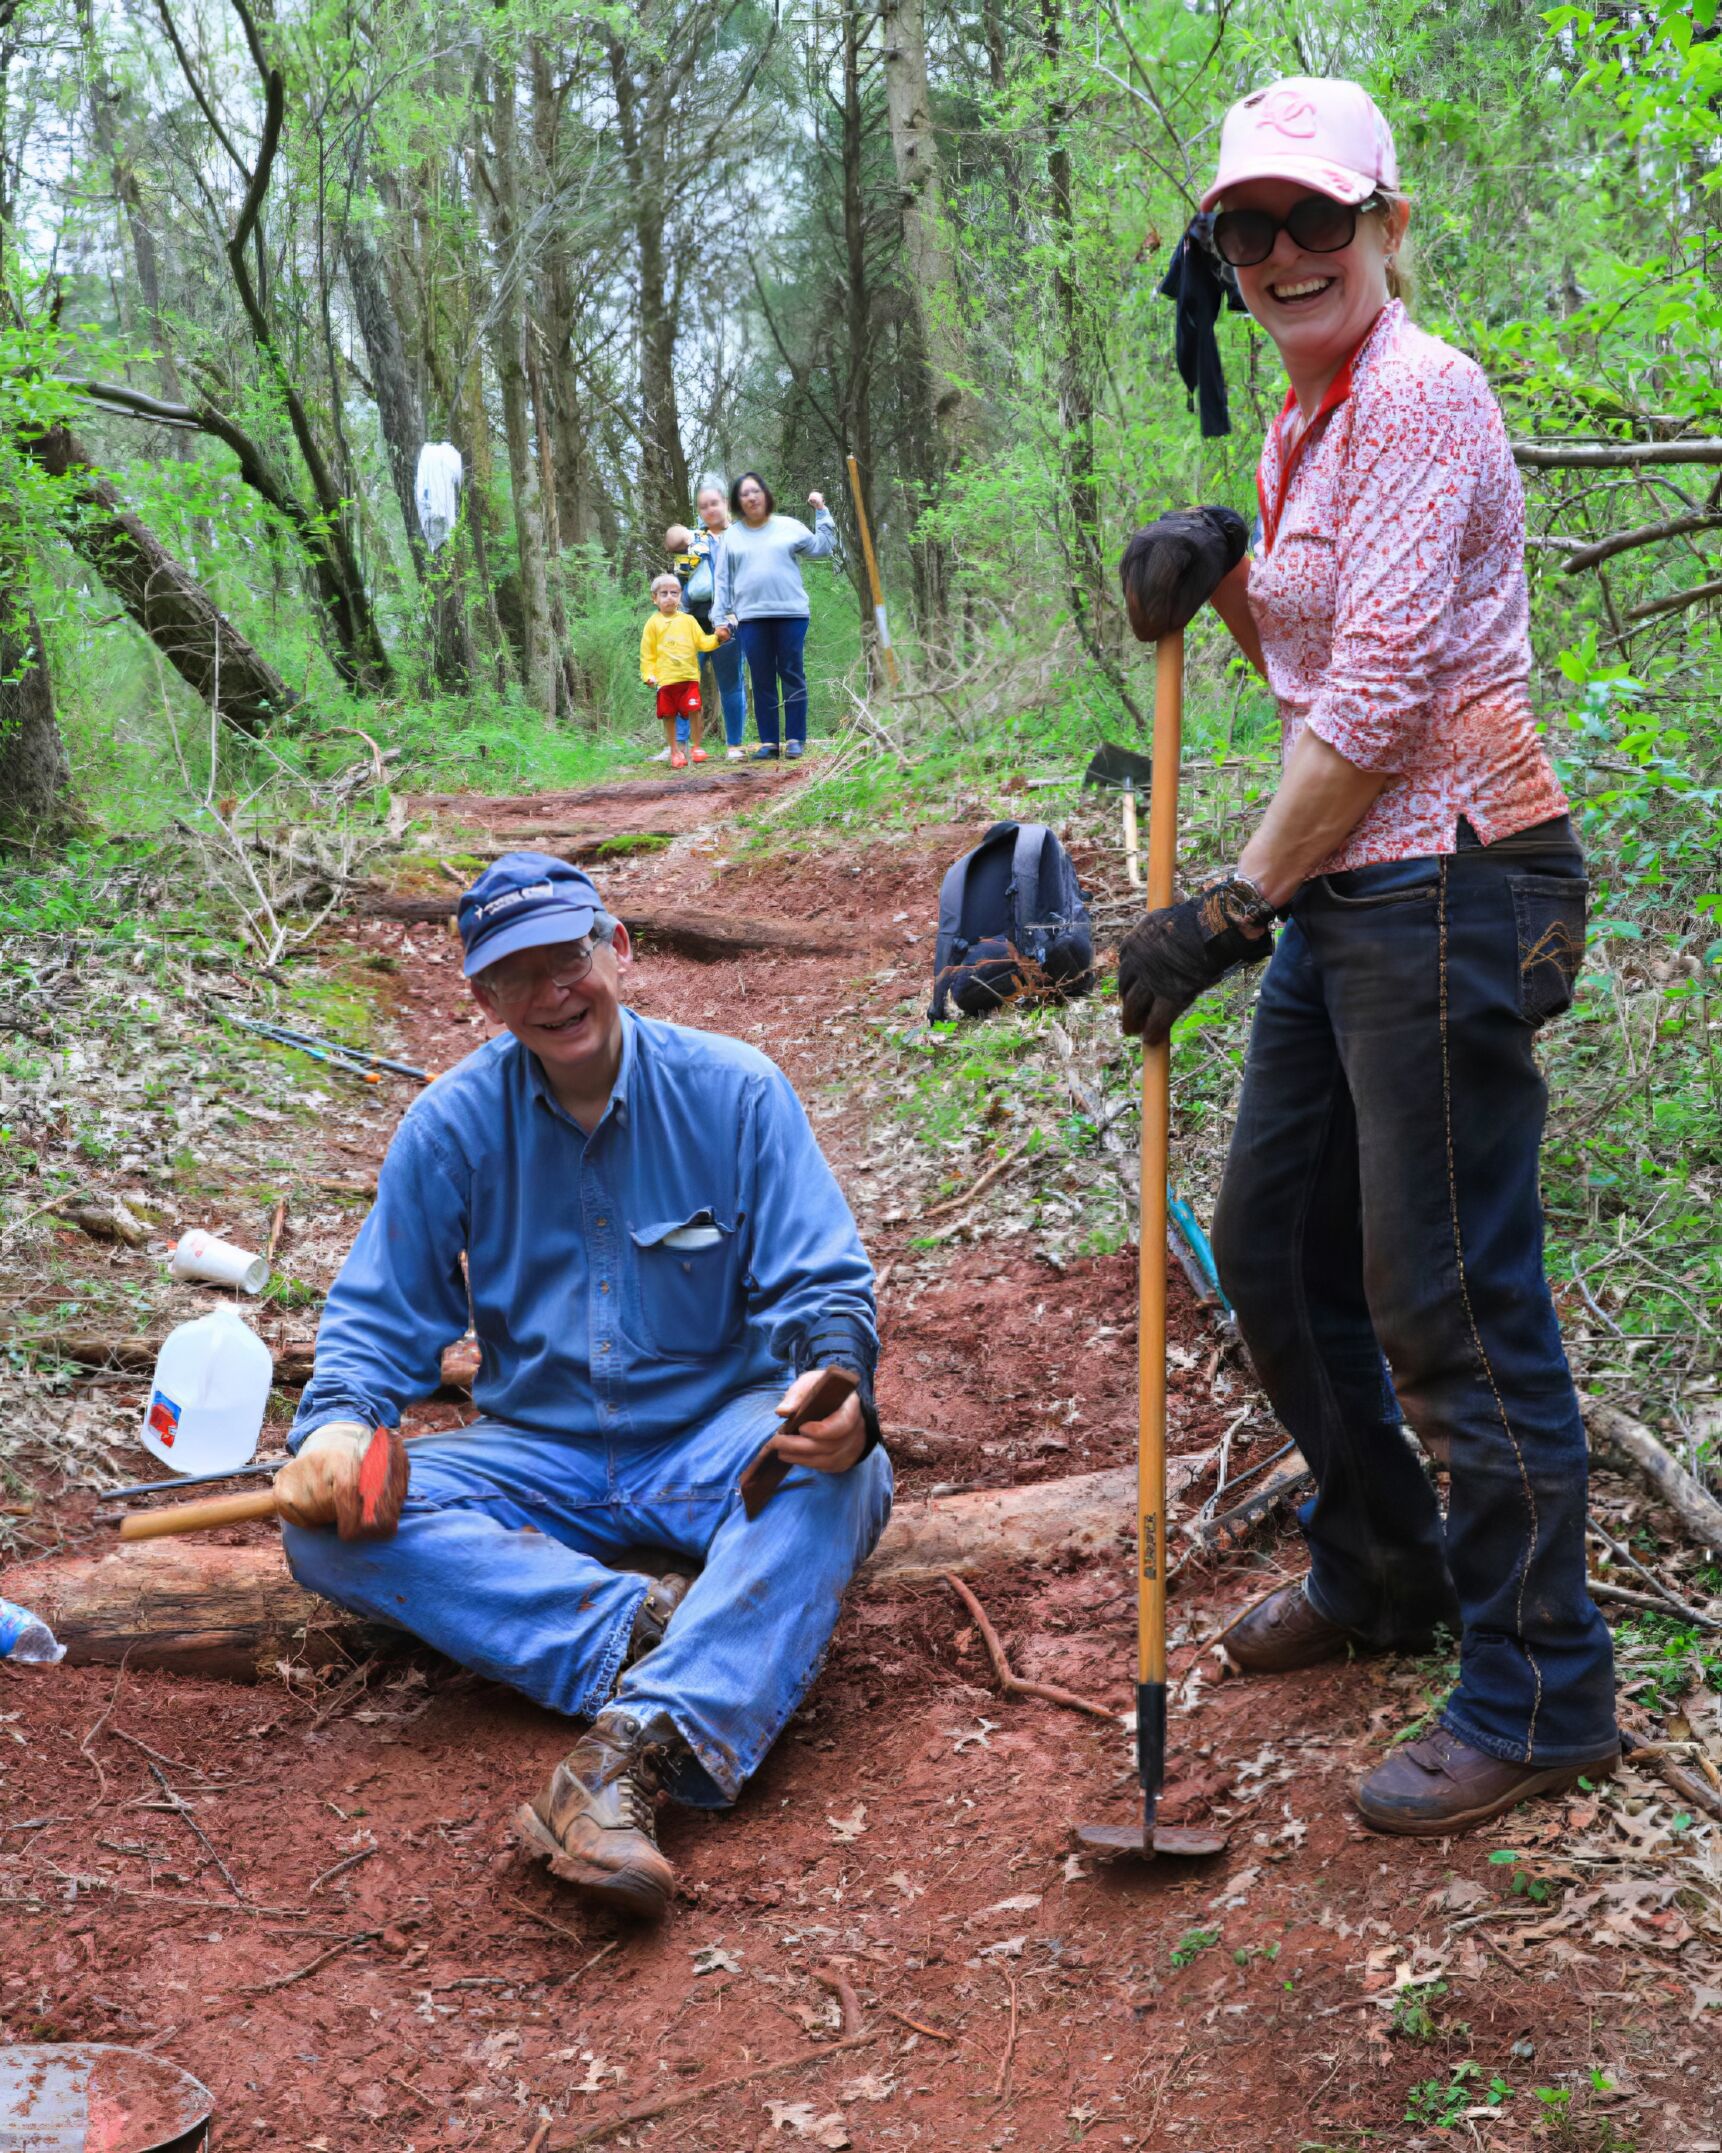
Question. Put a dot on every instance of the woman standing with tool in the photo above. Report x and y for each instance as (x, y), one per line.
(761, 597)
(1379, 1228)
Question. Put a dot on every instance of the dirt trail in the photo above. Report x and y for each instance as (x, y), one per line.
(395, 1977)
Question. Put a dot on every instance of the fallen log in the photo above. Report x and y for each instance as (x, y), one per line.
(194, 1608)
(137, 1356)
(293, 1363)
(1612, 455)
(705, 937)
(1617, 1439)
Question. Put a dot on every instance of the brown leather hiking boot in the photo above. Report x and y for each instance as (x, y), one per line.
(1441, 1785)
(595, 1822)
(663, 1596)
(1283, 1632)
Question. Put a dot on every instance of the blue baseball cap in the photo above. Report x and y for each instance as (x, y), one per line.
(523, 901)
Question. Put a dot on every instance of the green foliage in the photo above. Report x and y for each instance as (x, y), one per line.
(1442, 2104)
(1192, 1944)
(1524, 1883)
(1414, 2016)
(1661, 1658)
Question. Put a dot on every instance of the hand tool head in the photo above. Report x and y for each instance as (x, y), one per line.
(1147, 1840)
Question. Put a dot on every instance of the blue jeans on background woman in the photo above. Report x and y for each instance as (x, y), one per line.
(721, 684)
(774, 645)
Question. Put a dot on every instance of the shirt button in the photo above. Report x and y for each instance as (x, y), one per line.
(603, 1345)
(601, 1222)
(603, 1285)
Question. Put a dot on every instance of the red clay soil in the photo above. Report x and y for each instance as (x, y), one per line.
(313, 1899)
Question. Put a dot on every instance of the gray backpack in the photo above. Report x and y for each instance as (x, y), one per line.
(1012, 922)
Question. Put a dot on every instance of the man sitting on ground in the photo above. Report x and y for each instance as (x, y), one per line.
(649, 1241)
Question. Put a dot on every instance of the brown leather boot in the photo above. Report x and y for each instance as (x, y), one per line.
(663, 1596)
(595, 1822)
(1441, 1785)
(1283, 1632)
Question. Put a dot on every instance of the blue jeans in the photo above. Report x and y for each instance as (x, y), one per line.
(1380, 1212)
(501, 1561)
(721, 685)
(774, 649)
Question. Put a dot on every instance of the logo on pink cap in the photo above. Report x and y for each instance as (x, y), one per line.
(1317, 129)
(1288, 114)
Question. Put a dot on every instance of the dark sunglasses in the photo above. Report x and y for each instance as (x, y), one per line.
(1318, 224)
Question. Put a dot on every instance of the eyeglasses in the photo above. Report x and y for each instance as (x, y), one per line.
(1318, 224)
(513, 990)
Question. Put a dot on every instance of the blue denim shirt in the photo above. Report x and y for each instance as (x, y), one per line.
(589, 1321)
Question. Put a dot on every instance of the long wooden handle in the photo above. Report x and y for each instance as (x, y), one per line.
(1156, 1143)
(198, 1517)
(885, 651)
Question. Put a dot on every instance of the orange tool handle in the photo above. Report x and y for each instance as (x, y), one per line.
(199, 1517)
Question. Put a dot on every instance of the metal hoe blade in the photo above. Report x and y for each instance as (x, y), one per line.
(1181, 1839)
(91, 2097)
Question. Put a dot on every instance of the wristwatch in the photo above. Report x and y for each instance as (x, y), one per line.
(1260, 912)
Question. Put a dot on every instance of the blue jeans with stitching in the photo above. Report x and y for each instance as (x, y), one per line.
(775, 647)
(502, 1561)
(1380, 1233)
(721, 683)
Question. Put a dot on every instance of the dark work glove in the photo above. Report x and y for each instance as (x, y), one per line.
(1170, 956)
(1171, 567)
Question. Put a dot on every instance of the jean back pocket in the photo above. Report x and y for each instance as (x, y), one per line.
(1549, 916)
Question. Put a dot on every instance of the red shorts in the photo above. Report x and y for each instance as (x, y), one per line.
(680, 699)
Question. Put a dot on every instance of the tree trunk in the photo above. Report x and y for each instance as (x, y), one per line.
(538, 653)
(114, 154)
(1075, 396)
(402, 419)
(642, 122)
(927, 252)
(235, 1611)
(35, 777)
(168, 604)
(855, 412)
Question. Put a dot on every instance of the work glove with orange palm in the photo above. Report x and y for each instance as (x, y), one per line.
(348, 1476)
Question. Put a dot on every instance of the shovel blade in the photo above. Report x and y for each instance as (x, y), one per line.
(1187, 1840)
(1116, 767)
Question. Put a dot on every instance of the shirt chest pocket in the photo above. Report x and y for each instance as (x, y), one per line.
(689, 1275)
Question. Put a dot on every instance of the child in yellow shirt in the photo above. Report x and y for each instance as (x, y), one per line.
(670, 647)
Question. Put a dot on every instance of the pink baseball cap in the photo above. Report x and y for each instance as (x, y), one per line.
(1319, 129)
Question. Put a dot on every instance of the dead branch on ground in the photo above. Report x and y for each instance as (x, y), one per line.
(1013, 1684)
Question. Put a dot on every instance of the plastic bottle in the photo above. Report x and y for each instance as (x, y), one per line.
(26, 1637)
(209, 1394)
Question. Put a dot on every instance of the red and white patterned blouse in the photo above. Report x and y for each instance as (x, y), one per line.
(1388, 586)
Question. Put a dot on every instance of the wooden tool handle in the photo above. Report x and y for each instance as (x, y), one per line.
(768, 1471)
(1156, 1144)
(198, 1517)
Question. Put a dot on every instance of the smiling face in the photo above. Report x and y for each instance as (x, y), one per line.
(1317, 307)
(753, 502)
(575, 1030)
(713, 509)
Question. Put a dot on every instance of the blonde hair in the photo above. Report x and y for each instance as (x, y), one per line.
(678, 537)
(1401, 267)
(670, 577)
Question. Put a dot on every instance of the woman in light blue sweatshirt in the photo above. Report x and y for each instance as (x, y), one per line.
(761, 599)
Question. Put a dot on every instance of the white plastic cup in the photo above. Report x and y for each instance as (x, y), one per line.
(219, 1263)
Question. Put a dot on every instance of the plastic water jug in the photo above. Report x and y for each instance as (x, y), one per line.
(209, 1394)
